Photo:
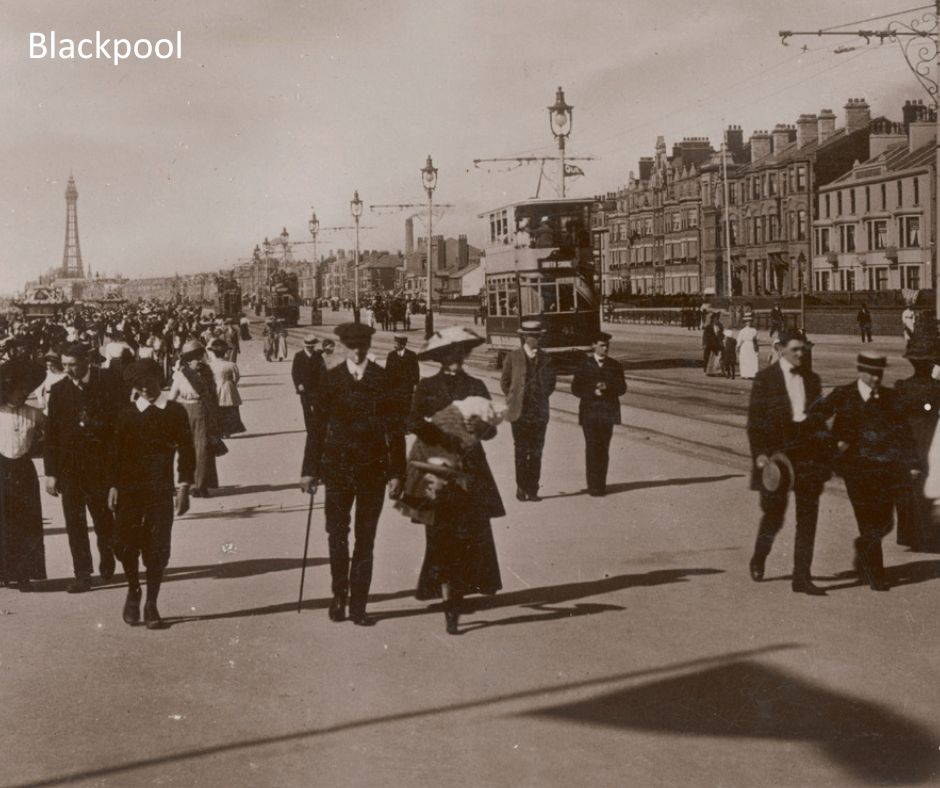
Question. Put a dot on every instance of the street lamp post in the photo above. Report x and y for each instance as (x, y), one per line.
(560, 117)
(429, 179)
(801, 262)
(355, 207)
(314, 225)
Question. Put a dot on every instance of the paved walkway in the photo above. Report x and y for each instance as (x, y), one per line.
(628, 646)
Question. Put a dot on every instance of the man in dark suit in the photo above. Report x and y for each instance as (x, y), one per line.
(777, 422)
(306, 370)
(876, 456)
(598, 383)
(712, 339)
(403, 374)
(355, 446)
(82, 412)
(527, 381)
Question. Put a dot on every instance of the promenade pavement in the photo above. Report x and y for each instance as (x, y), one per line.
(628, 646)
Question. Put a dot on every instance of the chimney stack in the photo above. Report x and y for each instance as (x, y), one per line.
(914, 111)
(920, 133)
(806, 130)
(760, 145)
(734, 139)
(646, 168)
(857, 115)
(409, 235)
(825, 125)
(885, 134)
(783, 135)
(463, 252)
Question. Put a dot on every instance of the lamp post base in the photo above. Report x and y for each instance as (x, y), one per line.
(356, 314)
(428, 324)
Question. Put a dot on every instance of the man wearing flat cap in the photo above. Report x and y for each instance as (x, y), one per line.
(82, 413)
(528, 380)
(355, 446)
(143, 497)
(777, 424)
(598, 383)
(403, 373)
(306, 370)
(875, 455)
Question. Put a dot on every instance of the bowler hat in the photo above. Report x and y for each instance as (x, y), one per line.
(777, 475)
(442, 342)
(144, 369)
(21, 371)
(353, 333)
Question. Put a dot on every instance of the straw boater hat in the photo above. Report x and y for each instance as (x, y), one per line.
(311, 339)
(868, 361)
(21, 371)
(447, 339)
(777, 474)
(531, 327)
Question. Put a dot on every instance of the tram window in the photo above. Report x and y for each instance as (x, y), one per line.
(493, 306)
(531, 300)
(513, 304)
(549, 297)
(565, 297)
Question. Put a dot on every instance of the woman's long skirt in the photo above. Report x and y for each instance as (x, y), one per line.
(231, 420)
(22, 554)
(207, 476)
(460, 552)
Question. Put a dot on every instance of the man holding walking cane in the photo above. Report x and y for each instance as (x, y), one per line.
(355, 445)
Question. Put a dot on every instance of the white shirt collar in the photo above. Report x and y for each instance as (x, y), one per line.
(142, 404)
(357, 370)
(864, 390)
(598, 359)
(530, 352)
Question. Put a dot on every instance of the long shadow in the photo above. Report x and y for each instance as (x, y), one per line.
(548, 613)
(255, 385)
(622, 487)
(282, 607)
(227, 492)
(567, 592)
(265, 434)
(224, 570)
(535, 694)
(907, 574)
(749, 700)
(661, 363)
(245, 513)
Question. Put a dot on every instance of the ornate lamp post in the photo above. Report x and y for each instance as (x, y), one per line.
(355, 208)
(560, 119)
(429, 180)
(314, 225)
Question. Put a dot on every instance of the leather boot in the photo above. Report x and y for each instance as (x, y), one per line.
(132, 606)
(451, 616)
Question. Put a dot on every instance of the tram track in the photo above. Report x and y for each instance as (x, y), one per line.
(692, 418)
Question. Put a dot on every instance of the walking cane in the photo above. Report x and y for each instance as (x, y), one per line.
(303, 568)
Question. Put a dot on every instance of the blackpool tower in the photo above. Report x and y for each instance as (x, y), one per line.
(72, 256)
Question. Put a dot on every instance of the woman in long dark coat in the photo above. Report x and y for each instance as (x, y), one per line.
(460, 557)
(22, 555)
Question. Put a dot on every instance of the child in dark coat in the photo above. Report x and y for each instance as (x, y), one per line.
(729, 354)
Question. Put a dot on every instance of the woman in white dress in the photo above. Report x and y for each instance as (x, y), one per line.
(747, 348)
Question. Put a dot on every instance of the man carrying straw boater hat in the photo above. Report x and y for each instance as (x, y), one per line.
(354, 447)
(875, 455)
(789, 452)
(527, 381)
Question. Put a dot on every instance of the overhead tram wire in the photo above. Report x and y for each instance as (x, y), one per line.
(876, 18)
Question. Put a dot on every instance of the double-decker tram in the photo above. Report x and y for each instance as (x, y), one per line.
(540, 266)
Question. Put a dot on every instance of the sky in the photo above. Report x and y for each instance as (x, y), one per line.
(284, 106)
